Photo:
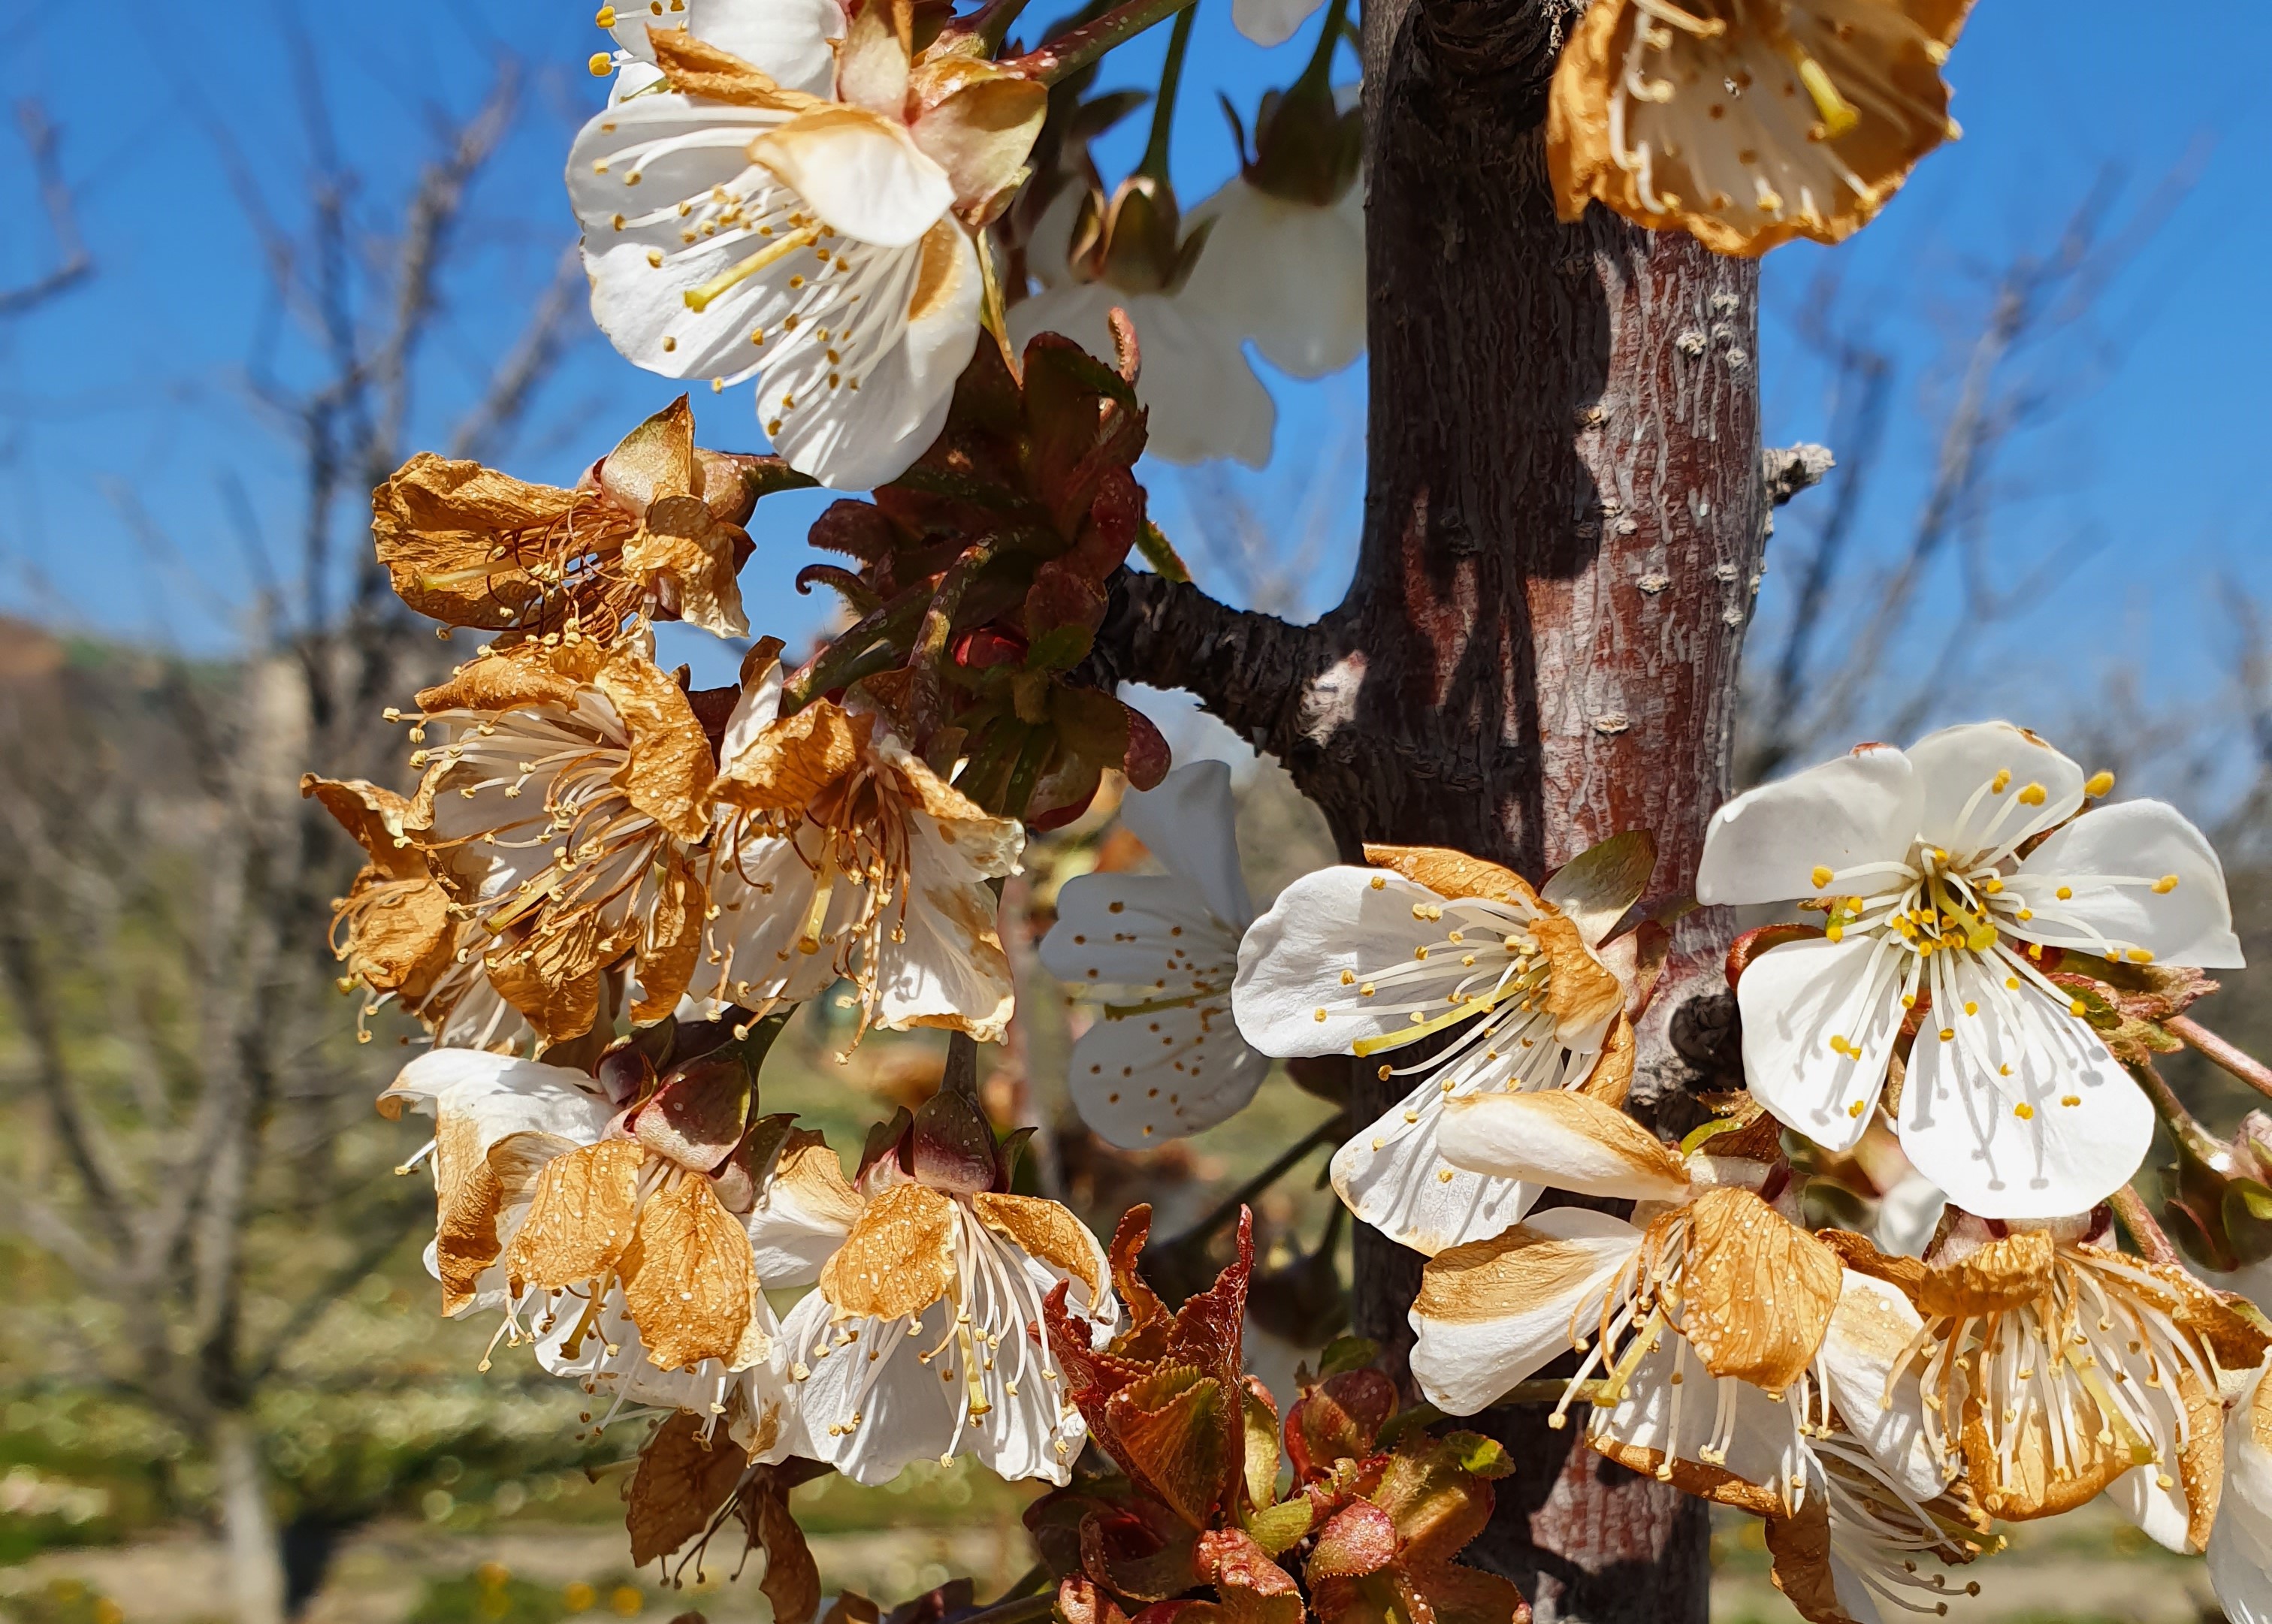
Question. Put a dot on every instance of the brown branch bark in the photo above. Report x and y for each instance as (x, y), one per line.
(1564, 525)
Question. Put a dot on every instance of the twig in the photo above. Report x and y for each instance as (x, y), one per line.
(1333, 1128)
(73, 263)
(1070, 53)
(2237, 1062)
(1549, 1390)
(2153, 1244)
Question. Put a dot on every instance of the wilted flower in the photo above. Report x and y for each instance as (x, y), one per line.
(2057, 1368)
(735, 226)
(1366, 961)
(653, 531)
(561, 811)
(839, 854)
(925, 1337)
(394, 929)
(1163, 1057)
(1948, 871)
(1749, 123)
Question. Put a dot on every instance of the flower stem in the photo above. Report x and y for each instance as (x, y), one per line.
(2171, 1110)
(1318, 76)
(2241, 1064)
(2137, 1219)
(993, 21)
(1163, 105)
(1070, 53)
(961, 1073)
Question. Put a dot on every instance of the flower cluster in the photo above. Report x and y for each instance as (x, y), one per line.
(606, 891)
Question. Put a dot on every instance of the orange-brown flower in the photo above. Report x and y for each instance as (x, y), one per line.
(1749, 123)
(561, 812)
(653, 530)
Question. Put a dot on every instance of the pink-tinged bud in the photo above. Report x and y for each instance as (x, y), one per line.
(628, 1070)
(952, 1149)
(698, 1113)
(1149, 757)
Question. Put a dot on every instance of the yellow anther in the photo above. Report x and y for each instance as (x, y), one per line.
(2011, 984)
(601, 64)
(1856, 1109)
(2141, 955)
(1348, 978)
(1379, 883)
(1838, 113)
(2100, 783)
(2001, 782)
(606, 18)
(2075, 1006)
(2025, 1112)
(1948, 1034)
(2066, 893)
(1908, 1001)
(2070, 1100)
(1822, 876)
(2163, 886)
(1835, 931)
(1320, 1016)
(2032, 796)
(1971, 1007)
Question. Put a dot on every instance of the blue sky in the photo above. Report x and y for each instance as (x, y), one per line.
(140, 479)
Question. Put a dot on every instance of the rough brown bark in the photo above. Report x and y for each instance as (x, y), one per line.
(1562, 541)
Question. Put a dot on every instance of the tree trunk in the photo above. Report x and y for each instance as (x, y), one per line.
(1563, 533)
(256, 1566)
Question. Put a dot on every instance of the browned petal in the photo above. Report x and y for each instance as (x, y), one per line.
(795, 758)
(673, 938)
(374, 815)
(653, 461)
(670, 766)
(2035, 1487)
(697, 69)
(403, 935)
(899, 1258)
(1707, 147)
(2201, 1463)
(792, 1581)
(680, 1482)
(1757, 1291)
(1800, 1547)
(527, 673)
(1906, 1275)
(2235, 1340)
(1455, 874)
(1508, 1274)
(808, 1172)
(555, 982)
(444, 531)
(468, 1197)
(687, 1276)
(581, 1218)
(2002, 1275)
(682, 544)
(1044, 1230)
(1612, 1078)
(1716, 1484)
(1580, 993)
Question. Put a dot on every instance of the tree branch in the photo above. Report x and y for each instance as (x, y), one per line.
(74, 264)
(1252, 671)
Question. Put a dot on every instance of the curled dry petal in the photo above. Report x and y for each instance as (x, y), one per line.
(1455, 874)
(1758, 1291)
(687, 1278)
(582, 1218)
(2002, 1275)
(1045, 1230)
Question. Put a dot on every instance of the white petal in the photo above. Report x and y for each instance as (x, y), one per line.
(864, 174)
(1678, 1418)
(924, 334)
(502, 1095)
(1137, 937)
(949, 968)
(1205, 399)
(1794, 1000)
(787, 39)
(1394, 1176)
(1853, 1594)
(1140, 1080)
(1953, 767)
(1333, 922)
(1961, 1116)
(800, 1217)
(755, 710)
(1554, 1137)
(1270, 22)
(763, 890)
(1872, 1327)
(2240, 1545)
(1475, 1342)
(2189, 924)
(2159, 1513)
(1188, 822)
(1765, 843)
(1289, 275)
(1908, 1215)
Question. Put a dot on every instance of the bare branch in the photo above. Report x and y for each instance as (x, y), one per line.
(74, 264)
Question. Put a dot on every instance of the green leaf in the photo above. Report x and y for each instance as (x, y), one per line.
(1347, 1354)
(1278, 1528)
(1161, 554)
